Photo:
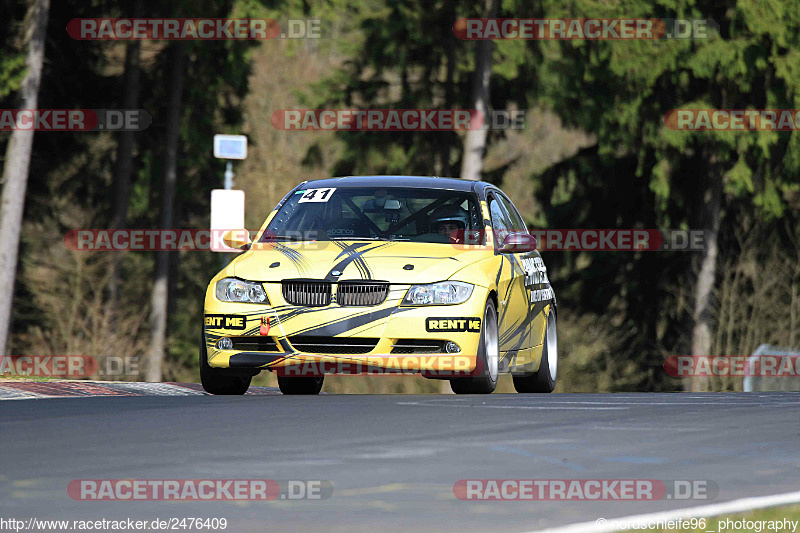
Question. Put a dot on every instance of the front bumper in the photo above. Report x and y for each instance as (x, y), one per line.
(335, 339)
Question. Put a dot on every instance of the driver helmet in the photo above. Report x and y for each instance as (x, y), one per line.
(448, 214)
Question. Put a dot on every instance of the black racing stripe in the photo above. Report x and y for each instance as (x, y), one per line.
(516, 346)
(499, 271)
(363, 267)
(254, 313)
(319, 324)
(349, 248)
(515, 339)
(538, 307)
(505, 362)
(284, 316)
(286, 251)
(511, 332)
(363, 262)
(348, 252)
(501, 313)
(212, 337)
(297, 311)
(297, 259)
(510, 286)
(366, 272)
(284, 357)
(292, 252)
(278, 309)
(343, 325)
(507, 296)
(508, 361)
(507, 299)
(522, 288)
(536, 310)
(353, 253)
(360, 265)
(262, 312)
(416, 257)
(509, 335)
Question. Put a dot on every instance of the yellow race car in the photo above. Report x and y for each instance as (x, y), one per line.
(383, 274)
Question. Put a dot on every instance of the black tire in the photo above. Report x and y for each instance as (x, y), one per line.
(488, 358)
(216, 381)
(544, 380)
(311, 385)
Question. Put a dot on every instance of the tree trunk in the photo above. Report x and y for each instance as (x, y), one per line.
(704, 287)
(475, 140)
(123, 168)
(15, 172)
(444, 149)
(159, 298)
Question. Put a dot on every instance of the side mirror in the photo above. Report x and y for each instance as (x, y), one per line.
(238, 238)
(518, 242)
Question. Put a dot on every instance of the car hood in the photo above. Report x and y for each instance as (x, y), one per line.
(377, 260)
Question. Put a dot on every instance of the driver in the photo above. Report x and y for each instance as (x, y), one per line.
(449, 220)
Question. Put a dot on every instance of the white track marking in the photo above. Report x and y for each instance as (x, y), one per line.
(735, 506)
(554, 407)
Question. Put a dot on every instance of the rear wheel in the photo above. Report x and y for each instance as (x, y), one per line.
(217, 380)
(545, 379)
(488, 360)
(310, 385)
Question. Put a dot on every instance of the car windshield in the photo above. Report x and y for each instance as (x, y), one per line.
(389, 213)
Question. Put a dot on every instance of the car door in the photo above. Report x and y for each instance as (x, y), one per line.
(513, 302)
(536, 281)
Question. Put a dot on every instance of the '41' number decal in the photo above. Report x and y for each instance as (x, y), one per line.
(317, 195)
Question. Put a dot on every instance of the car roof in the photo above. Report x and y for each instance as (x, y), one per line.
(420, 182)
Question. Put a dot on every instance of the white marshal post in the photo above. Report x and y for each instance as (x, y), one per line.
(227, 205)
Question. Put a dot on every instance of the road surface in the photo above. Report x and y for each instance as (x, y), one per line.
(393, 459)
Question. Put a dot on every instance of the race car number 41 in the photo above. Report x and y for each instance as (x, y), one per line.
(317, 195)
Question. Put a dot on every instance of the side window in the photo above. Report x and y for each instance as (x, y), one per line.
(517, 223)
(501, 222)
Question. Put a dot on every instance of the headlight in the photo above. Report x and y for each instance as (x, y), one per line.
(236, 290)
(444, 293)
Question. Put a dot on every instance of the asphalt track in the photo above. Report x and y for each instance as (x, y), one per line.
(393, 459)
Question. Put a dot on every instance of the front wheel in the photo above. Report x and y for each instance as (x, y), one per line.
(545, 379)
(310, 385)
(488, 360)
(215, 381)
